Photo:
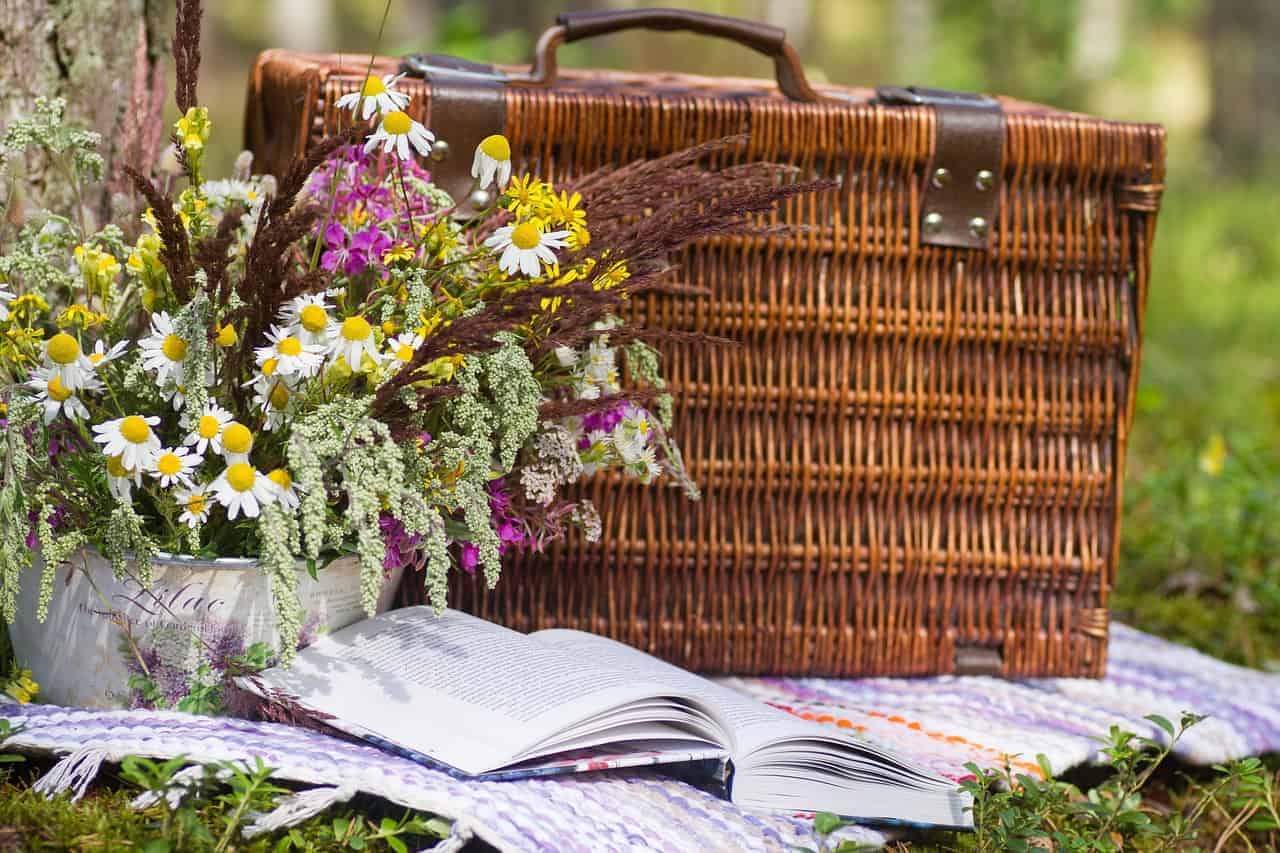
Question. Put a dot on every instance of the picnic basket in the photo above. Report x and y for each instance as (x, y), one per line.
(913, 462)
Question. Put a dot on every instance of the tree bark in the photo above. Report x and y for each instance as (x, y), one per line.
(1245, 69)
(103, 57)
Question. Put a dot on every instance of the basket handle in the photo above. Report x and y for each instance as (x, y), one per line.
(762, 38)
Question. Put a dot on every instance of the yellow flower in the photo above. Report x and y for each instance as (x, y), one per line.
(227, 336)
(27, 306)
(358, 216)
(398, 252)
(1214, 456)
(98, 268)
(579, 237)
(527, 195)
(563, 209)
(79, 315)
(613, 276)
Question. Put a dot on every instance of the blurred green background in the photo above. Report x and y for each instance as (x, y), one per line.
(1202, 526)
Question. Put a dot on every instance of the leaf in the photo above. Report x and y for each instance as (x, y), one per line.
(825, 823)
(396, 844)
(1162, 723)
(312, 570)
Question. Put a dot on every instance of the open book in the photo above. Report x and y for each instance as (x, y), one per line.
(479, 700)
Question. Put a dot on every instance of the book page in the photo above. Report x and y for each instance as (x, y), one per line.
(455, 688)
(749, 722)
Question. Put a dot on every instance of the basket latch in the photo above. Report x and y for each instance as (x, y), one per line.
(962, 181)
(978, 660)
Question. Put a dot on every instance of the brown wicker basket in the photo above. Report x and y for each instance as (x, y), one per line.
(913, 464)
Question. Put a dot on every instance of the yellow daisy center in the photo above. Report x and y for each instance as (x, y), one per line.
(195, 504)
(356, 329)
(236, 438)
(526, 236)
(404, 352)
(174, 348)
(208, 427)
(95, 358)
(115, 467)
(313, 318)
(135, 429)
(241, 476)
(496, 146)
(279, 397)
(63, 349)
(281, 478)
(57, 391)
(372, 87)
(289, 346)
(227, 335)
(169, 464)
(269, 366)
(397, 123)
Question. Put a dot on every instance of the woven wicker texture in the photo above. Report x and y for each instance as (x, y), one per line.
(915, 450)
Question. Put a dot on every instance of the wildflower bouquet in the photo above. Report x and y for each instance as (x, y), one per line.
(331, 363)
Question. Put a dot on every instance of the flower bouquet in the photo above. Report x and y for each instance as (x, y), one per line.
(324, 369)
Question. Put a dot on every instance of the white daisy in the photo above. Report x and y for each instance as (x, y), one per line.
(101, 355)
(352, 340)
(237, 442)
(524, 246)
(376, 96)
(121, 480)
(401, 348)
(5, 298)
(493, 158)
(195, 505)
(286, 491)
(172, 466)
(241, 488)
(292, 357)
(307, 316)
(131, 438)
(396, 131)
(163, 351)
(207, 434)
(54, 397)
(274, 399)
(62, 352)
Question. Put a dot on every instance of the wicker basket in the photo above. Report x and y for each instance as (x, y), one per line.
(913, 464)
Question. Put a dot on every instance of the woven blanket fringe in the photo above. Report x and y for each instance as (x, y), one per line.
(74, 773)
(458, 838)
(297, 808)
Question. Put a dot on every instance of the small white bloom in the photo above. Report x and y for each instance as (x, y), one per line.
(101, 355)
(63, 354)
(274, 398)
(243, 489)
(195, 505)
(352, 339)
(131, 438)
(54, 397)
(5, 298)
(286, 490)
(401, 348)
(163, 351)
(207, 434)
(307, 317)
(121, 479)
(292, 357)
(493, 159)
(566, 356)
(396, 131)
(525, 247)
(173, 466)
(377, 95)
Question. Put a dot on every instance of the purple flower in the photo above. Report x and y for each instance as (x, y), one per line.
(366, 249)
(604, 421)
(469, 558)
(336, 253)
(400, 544)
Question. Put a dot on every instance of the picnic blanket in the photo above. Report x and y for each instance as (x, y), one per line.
(940, 723)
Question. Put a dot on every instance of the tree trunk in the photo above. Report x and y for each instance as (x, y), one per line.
(1245, 68)
(103, 57)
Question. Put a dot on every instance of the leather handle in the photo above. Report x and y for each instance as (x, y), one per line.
(762, 38)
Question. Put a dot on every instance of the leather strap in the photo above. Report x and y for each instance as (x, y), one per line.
(759, 37)
(962, 182)
(467, 103)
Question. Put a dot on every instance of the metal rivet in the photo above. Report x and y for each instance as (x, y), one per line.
(978, 227)
(480, 198)
(933, 222)
(941, 177)
(986, 178)
(439, 150)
